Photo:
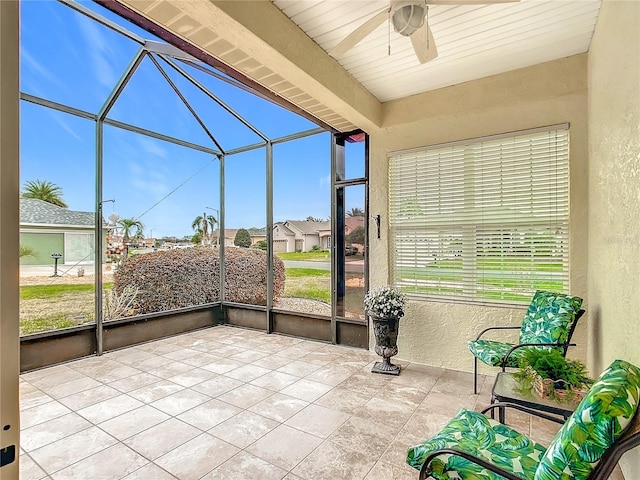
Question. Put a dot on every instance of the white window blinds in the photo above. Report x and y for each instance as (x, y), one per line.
(482, 221)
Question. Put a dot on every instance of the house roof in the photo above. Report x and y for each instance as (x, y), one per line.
(34, 211)
(287, 230)
(308, 227)
(354, 222)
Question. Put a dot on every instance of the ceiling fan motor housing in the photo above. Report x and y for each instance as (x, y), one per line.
(408, 16)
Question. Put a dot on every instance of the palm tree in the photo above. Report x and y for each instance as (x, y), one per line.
(44, 190)
(202, 224)
(355, 212)
(127, 225)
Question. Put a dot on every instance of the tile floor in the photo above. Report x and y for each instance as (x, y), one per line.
(229, 403)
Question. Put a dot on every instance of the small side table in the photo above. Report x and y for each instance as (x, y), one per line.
(506, 389)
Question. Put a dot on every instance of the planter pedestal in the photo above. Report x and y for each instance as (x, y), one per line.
(386, 333)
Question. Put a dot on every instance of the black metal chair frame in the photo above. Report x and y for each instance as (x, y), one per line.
(503, 363)
(629, 439)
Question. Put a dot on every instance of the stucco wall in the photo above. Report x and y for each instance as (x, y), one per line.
(614, 192)
(546, 94)
(43, 245)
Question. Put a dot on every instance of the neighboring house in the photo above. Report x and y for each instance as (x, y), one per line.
(294, 235)
(256, 234)
(46, 229)
(350, 224)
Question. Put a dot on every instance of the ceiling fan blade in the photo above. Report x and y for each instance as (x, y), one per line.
(424, 44)
(468, 2)
(355, 37)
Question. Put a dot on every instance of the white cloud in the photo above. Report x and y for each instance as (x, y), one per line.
(60, 120)
(99, 52)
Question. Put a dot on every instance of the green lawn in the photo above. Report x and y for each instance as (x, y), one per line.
(316, 256)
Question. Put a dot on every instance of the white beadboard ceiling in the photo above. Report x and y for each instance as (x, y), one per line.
(473, 41)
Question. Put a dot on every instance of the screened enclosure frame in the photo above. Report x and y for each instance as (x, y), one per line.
(166, 57)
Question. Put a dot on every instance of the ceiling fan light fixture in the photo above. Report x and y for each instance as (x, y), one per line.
(408, 17)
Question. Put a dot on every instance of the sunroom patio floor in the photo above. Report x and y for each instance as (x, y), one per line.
(230, 403)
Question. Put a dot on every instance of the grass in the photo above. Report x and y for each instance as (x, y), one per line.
(316, 256)
(306, 272)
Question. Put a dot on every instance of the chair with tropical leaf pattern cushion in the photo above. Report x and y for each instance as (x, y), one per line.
(549, 322)
(605, 424)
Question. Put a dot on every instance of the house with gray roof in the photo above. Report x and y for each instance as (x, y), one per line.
(46, 229)
(296, 235)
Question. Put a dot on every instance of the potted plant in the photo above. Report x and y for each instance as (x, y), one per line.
(552, 375)
(385, 306)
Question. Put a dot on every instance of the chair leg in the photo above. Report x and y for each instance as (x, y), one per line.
(475, 375)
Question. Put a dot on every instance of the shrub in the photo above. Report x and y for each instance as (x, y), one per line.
(243, 238)
(171, 279)
(262, 245)
(315, 248)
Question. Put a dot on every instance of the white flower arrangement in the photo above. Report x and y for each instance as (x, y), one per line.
(385, 302)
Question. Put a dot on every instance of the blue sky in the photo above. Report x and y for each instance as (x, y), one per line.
(69, 59)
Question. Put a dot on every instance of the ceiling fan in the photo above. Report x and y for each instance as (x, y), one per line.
(409, 18)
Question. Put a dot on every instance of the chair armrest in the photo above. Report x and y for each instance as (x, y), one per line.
(503, 364)
(524, 409)
(497, 328)
(472, 458)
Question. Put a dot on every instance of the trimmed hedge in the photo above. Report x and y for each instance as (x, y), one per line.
(171, 279)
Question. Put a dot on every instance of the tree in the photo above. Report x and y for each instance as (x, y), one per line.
(355, 212)
(356, 236)
(243, 239)
(128, 225)
(203, 224)
(44, 190)
(313, 219)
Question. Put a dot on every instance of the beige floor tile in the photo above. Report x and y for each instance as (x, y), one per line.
(330, 374)
(420, 376)
(74, 386)
(425, 424)
(42, 413)
(279, 407)
(363, 434)
(133, 422)
(69, 450)
(452, 381)
(89, 397)
(246, 373)
(344, 399)
(306, 390)
(156, 391)
(543, 431)
(317, 420)
(336, 462)
(275, 381)
(162, 438)
(386, 413)
(52, 430)
(130, 356)
(29, 470)
(154, 361)
(321, 357)
(384, 471)
(244, 429)
(111, 463)
(192, 377)
(447, 403)
(209, 414)
(180, 402)
(223, 365)
(134, 382)
(217, 385)
(170, 369)
(202, 358)
(149, 472)
(245, 396)
(248, 356)
(61, 376)
(180, 355)
(245, 465)
(408, 395)
(110, 408)
(196, 458)
(299, 368)
(284, 447)
(31, 396)
(271, 362)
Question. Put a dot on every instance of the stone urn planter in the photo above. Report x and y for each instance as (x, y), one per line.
(385, 306)
(385, 331)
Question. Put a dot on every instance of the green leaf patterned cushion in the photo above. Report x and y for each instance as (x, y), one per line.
(492, 352)
(474, 433)
(595, 425)
(549, 318)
